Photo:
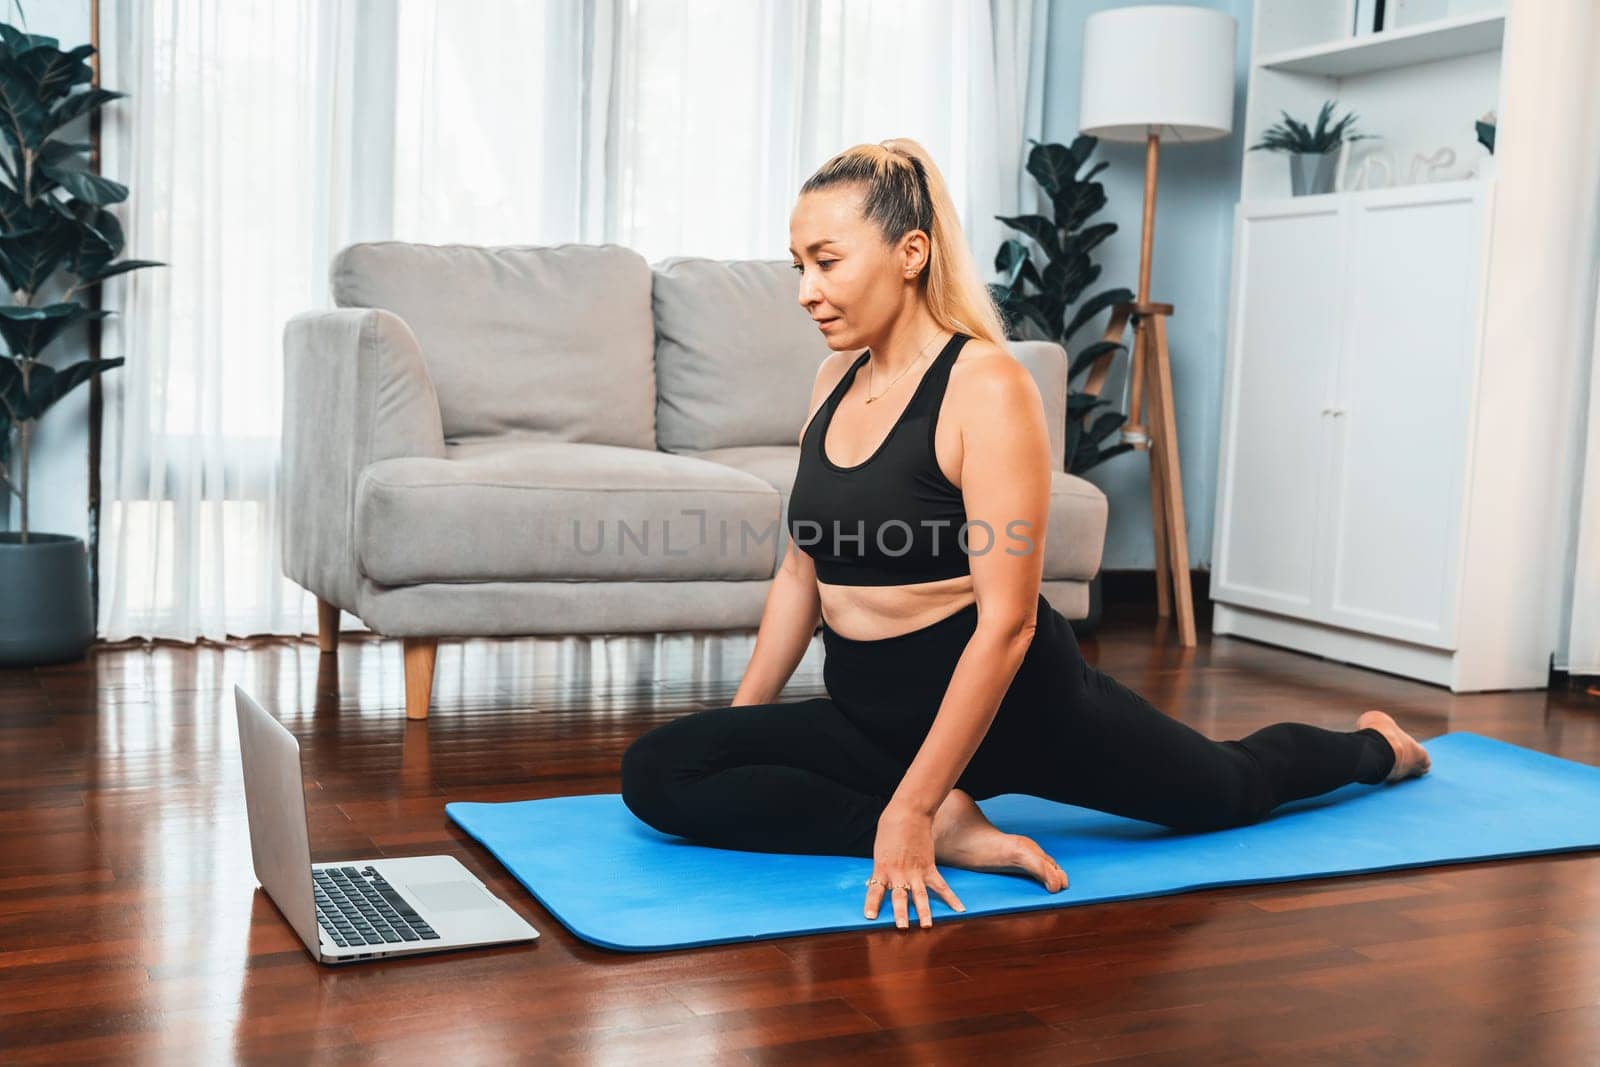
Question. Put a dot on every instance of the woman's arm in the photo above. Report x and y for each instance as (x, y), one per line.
(787, 623)
(1005, 483)
(794, 606)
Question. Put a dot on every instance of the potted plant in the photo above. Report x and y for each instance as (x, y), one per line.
(1036, 302)
(53, 221)
(1485, 128)
(1313, 153)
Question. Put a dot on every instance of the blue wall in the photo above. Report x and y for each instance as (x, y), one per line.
(1198, 188)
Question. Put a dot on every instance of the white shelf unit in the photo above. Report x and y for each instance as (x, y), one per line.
(1417, 89)
(1359, 464)
(1449, 38)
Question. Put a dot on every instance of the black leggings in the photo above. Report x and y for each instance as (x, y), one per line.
(812, 776)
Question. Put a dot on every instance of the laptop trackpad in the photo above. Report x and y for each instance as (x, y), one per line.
(449, 896)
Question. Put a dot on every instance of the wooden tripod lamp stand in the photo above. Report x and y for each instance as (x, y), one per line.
(1149, 73)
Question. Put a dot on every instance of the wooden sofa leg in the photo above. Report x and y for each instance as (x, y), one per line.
(327, 626)
(419, 656)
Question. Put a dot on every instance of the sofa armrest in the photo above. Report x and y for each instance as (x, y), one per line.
(355, 390)
(1047, 362)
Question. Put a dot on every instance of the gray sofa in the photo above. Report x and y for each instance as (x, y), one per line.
(484, 442)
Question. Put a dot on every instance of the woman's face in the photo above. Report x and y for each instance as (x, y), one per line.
(851, 284)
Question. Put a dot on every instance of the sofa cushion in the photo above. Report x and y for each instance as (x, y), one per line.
(558, 511)
(736, 354)
(549, 343)
(1047, 362)
(774, 464)
(1075, 537)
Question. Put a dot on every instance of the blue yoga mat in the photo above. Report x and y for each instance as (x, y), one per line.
(617, 883)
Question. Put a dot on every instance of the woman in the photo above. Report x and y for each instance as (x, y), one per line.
(949, 676)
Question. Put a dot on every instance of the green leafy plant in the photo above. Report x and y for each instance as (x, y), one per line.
(1043, 298)
(1292, 136)
(53, 221)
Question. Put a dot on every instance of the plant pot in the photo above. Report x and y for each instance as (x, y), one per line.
(1086, 626)
(1313, 173)
(44, 606)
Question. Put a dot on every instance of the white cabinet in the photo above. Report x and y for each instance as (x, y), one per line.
(1347, 414)
(1404, 383)
(1398, 428)
(1281, 369)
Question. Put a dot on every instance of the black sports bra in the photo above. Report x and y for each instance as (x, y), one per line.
(893, 518)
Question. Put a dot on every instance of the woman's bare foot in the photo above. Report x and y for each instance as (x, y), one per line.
(963, 837)
(1409, 756)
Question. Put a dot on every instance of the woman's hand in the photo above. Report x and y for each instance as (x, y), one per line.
(902, 854)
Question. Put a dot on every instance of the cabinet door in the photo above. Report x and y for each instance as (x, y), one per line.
(1412, 277)
(1283, 338)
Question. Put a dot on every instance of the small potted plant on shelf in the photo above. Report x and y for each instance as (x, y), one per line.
(1485, 127)
(1313, 153)
(53, 219)
(1044, 304)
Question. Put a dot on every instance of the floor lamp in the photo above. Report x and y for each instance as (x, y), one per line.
(1154, 73)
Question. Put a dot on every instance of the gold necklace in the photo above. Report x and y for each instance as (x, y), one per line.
(870, 398)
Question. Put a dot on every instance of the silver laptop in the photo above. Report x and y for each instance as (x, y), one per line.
(358, 909)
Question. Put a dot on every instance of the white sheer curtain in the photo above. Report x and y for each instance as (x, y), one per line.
(234, 144)
(684, 127)
(263, 135)
(1553, 82)
(1583, 624)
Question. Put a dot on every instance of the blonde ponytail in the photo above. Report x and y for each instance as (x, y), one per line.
(905, 192)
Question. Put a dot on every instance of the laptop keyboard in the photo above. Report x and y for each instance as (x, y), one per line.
(358, 907)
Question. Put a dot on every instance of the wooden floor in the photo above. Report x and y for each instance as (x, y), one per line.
(131, 928)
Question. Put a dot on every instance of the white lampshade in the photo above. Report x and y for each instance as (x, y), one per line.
(1162, 68)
